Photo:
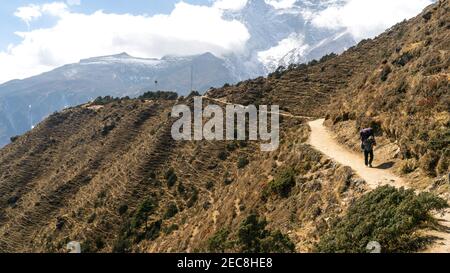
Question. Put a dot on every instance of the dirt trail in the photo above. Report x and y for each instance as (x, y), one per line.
(322, 140)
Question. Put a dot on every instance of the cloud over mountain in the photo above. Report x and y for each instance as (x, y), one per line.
(188, 29)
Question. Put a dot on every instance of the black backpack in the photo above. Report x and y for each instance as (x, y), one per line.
(366, 133)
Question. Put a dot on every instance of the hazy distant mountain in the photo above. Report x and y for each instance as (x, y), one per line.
(23, 103)
(278, 37)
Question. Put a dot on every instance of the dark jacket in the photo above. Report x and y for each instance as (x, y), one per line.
(367, 144)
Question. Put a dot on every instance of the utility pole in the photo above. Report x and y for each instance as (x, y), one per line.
(31, 117)
(192, 77)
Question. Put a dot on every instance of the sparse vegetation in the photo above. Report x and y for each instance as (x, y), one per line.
(242, 162)
(428, 163)
(387, 215)
(121, 246)
(171, 228)
(123, 209)
(219, 243)
(13, 139)
(222, 155)
(408, 166)
(254, 238)
(385, 72)
(232, 146)
(193, 199)
(146, 208)
(105, 100)
(227, 179)
(171, 211)
(171, 177)
(282, 184)
(209, 185)
(159, 95)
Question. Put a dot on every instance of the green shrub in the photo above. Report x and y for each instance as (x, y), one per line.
(277, 242)
(254, 238)
(163, 95)
(181, 189)
(123, 209)
(232, 146)
(171, 229)
(209, 185)
(227, 180)
(121, 245)
(222, 155)
(140, 216)
(283, 183)
(387, 215)
(218, 243)
(403, 59)
(91, 218)
(99, 243)
(153, 230)
(440, 140)
(171, 211)
(385, 72)
(242, 162)
(243, 143)
(14, 138)
(171, 177)
(193, 199)
(104, 100)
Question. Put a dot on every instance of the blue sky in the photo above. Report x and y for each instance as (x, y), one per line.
(10, 23)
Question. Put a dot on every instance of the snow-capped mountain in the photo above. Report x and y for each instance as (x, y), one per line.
(23, 103)
(281, 36)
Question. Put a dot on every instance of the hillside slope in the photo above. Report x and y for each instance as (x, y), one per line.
(405, 95)
(112, 177)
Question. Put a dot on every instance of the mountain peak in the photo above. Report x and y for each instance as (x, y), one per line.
(122, 55)
(119, 58)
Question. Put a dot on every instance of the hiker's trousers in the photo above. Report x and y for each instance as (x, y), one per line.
(368, 157)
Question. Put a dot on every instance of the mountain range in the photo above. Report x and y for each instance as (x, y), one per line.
(278, 37)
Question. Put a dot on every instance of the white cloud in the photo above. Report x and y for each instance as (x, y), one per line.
(28, 13)
(230, 4)
(189, 29)
(33, 12)
(281, 4)
(368, 18)
(73, 2)
(56, 9)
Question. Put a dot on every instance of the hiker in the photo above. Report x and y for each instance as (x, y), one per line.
(367, 143)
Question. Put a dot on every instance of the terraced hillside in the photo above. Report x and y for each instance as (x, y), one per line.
(109, 175)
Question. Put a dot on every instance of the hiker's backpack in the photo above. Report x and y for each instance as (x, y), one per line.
(366, 133)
